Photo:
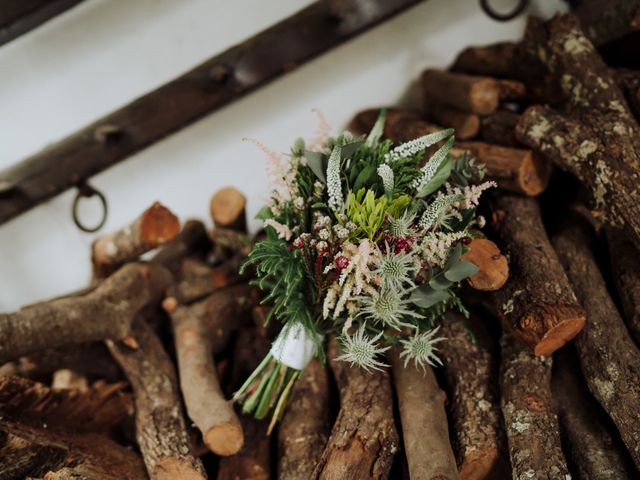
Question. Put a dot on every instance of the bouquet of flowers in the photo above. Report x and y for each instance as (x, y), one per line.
(363, 241)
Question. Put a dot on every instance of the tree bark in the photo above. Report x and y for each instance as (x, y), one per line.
(470, 372)
(364, 439)
(156, 226)
(629, 83)
(111, 306)
(537, 303)
(424, 422)
(206, 404)
(473, 94)
(490, 60)
(191, 239)
(591, 444)
(608, 356)
(304, 429)
(493, 269)
(625, 263)
(499, 128)
(607, 20)
(530, 422)
(597, 140)
(160, 428)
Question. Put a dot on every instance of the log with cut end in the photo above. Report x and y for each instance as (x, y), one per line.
(193, 238)
(364, 436)
(468, 93)
(625, 263)
(537, 303)
(499, 128)
(608, 356)
(156, 226)
(253, 461)
(424, 422)
(205, 403)
(227, 209)
(530, 422)
(160, 427)
(305, 427)
(30, 450)
(493, 269)
(470, 372)
(590, 437)
(111, 306)
(595, 137)
(511, 90)
(515, 169)
(466, 125)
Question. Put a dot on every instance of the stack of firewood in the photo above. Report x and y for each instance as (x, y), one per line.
(129, 378)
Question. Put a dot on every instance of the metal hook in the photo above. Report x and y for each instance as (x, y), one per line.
(87, 191)
(503, 17)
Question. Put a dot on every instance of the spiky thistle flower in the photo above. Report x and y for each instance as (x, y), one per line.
(395, 269)
(361, 350)
(431, 167)
(421, 349)
(388, 306)
(414, 146)
(386, 174)
(435, 213)
(334, 185)
(402, 226)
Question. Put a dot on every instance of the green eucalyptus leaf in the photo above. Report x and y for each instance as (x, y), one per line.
(426, 297)
(264, 213)
(363, 176)
(440, 282)
(460, 271)
(441, 176)
(349, 148)
(316, 162)
(454, 257)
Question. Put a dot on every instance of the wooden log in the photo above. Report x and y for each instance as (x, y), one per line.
(192, 238)
(629, 83)
(206, 405)
(537, 303)
(209, 86)
(265, 326)
(35, 451)
(424, 422)
(515, 169)
(364, 439)
(253, 461)
(499, 128)
(465, 124)
(112, 306)
(66, 379)
(160, 428)
(590, 439)
(490, 60)
(608, 355)
(470, 372)
(156, 226)
(227, 209)
(606, 20)
(304, 429)
(530, 422)
(468, 93)
(596, 137)
(625, 264)
(511, 90)
(493, 269)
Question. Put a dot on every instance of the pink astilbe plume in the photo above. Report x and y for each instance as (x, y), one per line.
(323, 132)
(277, 169)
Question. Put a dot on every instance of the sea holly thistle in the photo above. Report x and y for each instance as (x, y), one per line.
(365, 242)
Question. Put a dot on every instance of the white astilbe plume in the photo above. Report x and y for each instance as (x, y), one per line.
(414, 146)
(435, 246)
(402, 226)
(334, 185)
(395, 269)
(387, 307)
(428, 171)
(386, 174)
(471, 193)
(361, 350)
(421, 349)
(435, 212)
(323, 132)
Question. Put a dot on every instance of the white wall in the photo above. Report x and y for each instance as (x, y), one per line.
(104, 53)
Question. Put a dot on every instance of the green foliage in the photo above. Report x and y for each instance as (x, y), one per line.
(368, 212)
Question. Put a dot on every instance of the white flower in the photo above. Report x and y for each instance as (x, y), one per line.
(421, 349)
(435, 213)
(324, 234)
(341, 232)
(386, 174)
(395, 269)
(414, 146)
(321, 246)
(298, 203)
(435, 246)
(431, 167)
(361, 350)
(282, 230)
(387, 307)
(334, 185)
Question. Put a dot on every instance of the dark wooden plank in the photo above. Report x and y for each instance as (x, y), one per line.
(20, 16)
(209, 86)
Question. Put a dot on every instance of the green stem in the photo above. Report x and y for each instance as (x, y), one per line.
(251, 378)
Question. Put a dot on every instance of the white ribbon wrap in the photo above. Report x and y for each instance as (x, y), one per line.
(294, 347)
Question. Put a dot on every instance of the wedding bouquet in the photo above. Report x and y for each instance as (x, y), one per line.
(364, 241)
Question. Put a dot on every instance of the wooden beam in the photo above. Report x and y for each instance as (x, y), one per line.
(20, 16)
(209, 86)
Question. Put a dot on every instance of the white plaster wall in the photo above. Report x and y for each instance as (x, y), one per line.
(104, 53)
